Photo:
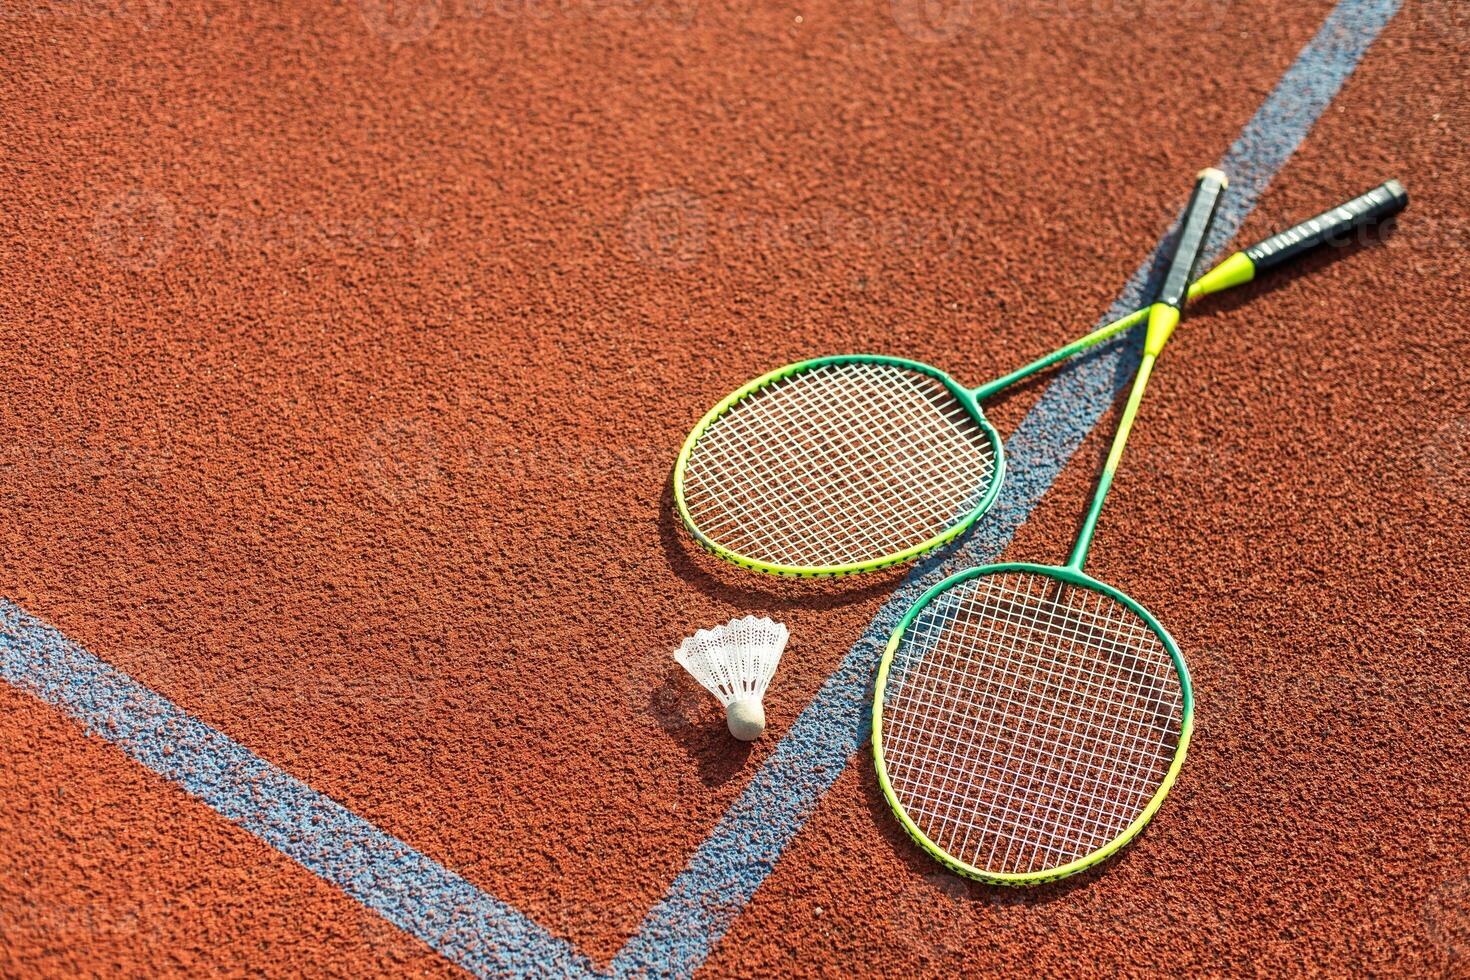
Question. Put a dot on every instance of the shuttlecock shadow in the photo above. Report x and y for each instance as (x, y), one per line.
(690, 718)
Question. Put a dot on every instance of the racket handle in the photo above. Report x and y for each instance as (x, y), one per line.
(1381, 202)
(1193, 231)
(1365, 211)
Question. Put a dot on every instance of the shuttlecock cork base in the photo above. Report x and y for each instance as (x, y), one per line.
(735, 663)
(746, 719)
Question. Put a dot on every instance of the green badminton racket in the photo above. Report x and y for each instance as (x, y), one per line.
(853, 463)
(1028, 720)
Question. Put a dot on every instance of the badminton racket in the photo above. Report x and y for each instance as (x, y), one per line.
(1028, 719)
(856, 462)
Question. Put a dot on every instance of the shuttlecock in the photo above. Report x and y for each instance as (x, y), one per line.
(735, 662)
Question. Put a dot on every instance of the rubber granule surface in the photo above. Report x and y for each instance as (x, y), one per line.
(348, 348)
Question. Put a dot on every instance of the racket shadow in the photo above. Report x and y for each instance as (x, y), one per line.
(729, 583)
(978, 893)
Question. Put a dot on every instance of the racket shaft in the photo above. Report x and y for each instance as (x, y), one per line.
(1077, 346)
(1163, 315)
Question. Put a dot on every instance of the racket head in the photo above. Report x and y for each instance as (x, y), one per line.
(776, 534)
(962, 689)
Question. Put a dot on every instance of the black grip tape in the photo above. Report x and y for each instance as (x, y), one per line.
(1330, 227)
(1193, 231)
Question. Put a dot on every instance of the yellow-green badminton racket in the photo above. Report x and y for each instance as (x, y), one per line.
(856, 462)
(1027, 719)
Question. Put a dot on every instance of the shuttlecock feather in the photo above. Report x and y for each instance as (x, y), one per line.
(735, 662)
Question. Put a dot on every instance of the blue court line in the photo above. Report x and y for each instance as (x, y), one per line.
(480, 933)
(487, 936)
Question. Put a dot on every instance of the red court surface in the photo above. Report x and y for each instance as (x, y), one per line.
(347, 355)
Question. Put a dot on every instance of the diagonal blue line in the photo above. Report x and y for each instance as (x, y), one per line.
(678, 934)
(490, 938)
(480, 933)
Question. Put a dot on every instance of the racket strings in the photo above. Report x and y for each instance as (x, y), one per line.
(838, 465)
(1028, 723)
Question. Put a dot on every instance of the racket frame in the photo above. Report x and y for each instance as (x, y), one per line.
(966, 397)
(1069, 576)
